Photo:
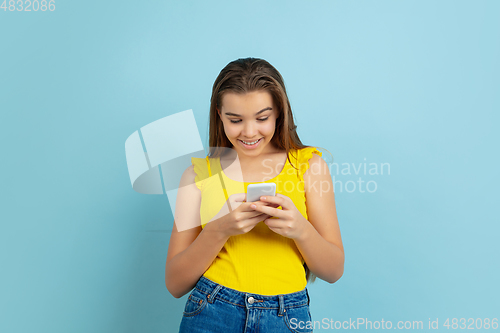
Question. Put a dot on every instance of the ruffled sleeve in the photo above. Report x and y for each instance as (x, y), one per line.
(305, 154)
(201, 170)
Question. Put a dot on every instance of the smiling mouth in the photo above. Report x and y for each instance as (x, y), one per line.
(250, 143)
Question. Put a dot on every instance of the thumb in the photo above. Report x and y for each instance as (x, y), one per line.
(238, 197)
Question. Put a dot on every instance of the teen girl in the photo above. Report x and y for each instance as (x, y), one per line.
(249, 262)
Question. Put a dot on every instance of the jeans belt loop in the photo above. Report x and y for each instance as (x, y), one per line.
(282, 305)
(211, 296)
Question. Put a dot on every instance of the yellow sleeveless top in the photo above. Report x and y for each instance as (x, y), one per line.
(259, 261)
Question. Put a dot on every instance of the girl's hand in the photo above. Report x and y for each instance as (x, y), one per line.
(289, 222)
(240, 220)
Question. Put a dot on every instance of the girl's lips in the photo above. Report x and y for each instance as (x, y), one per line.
(250, 146)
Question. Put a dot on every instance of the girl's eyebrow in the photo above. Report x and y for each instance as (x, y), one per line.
(238, 115)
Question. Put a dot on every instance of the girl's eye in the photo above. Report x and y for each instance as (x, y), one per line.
(237, 121)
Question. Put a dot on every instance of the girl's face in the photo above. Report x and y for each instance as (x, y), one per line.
(248, 118)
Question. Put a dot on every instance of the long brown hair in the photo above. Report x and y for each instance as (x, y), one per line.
(248, 75)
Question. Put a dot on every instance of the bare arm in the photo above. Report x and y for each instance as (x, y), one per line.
(192, 250)
(321, 245)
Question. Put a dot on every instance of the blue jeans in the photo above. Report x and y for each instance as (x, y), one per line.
(214, 308)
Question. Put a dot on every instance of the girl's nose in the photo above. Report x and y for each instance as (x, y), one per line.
(250, 130)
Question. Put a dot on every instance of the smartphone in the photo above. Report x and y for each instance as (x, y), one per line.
(255, 191)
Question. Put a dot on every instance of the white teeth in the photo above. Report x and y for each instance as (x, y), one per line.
(250, 143)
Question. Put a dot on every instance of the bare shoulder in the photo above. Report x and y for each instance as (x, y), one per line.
(317, 166)
(188, 176)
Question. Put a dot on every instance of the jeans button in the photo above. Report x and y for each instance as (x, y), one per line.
(250, 300)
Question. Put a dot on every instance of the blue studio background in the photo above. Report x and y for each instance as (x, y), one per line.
(413, 84)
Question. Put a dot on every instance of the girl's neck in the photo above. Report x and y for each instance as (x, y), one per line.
(257, 159)
(253, 168)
